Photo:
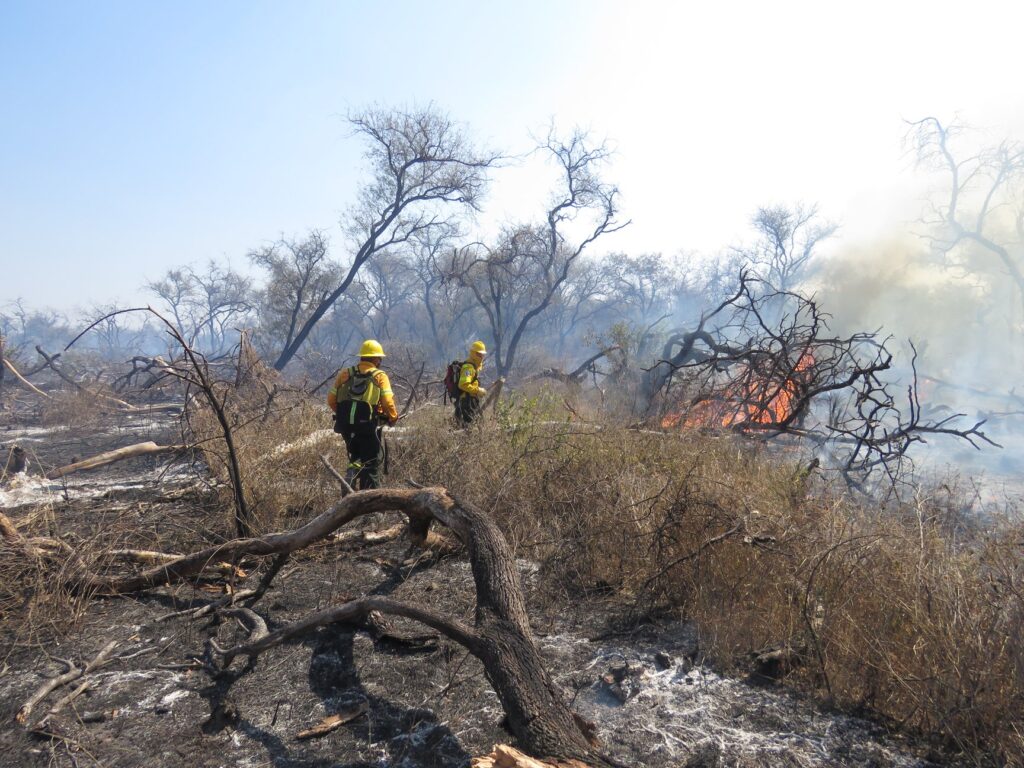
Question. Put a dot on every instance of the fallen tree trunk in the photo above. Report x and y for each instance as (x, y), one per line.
(23, 381)
(500, 636)
(504, 756)
(103, 459)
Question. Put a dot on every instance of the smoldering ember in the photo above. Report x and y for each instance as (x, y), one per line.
(424, 493)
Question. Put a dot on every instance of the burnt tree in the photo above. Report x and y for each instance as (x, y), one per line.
(500, 635)
(982, 207)
(422, 164)
(515, 281)
(748, 367)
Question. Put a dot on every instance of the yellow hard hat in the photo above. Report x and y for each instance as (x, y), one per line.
(478, 347)
(371, 348)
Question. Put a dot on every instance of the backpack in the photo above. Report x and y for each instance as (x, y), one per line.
(357, 398)
(451, 380)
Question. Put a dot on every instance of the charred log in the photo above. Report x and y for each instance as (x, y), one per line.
(500, 635)
(109, 457)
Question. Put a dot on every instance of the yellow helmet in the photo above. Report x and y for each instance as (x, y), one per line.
(371, 348)
(478, 347)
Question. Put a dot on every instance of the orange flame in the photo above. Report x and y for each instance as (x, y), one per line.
(759, 402)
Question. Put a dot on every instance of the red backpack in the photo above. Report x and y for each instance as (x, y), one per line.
(451, 380)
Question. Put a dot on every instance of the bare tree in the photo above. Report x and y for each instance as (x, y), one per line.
(421, 165)
(640, 287)
(787, 240)
(518, 279)
(193, 369)
(225, 299)
(445, 302)
(338, 334)
(24, 326)
(578, 307)
(175, 290)
(389, 282)
(205, 304)
(643, 293)
(984, 202)
(741, 369)
(299, 277)
(115, 337)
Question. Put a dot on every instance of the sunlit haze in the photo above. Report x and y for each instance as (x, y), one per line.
(140, 136)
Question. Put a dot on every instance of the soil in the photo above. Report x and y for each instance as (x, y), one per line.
(428, 703)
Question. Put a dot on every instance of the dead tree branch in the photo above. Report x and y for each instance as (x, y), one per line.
(575, 378)
(500, 636)
(51, 363)
(763, 363)
(73, 673)
(23, 381)
(195, 372)
(109, 457)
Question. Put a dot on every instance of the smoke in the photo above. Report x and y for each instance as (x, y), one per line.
(962, 316)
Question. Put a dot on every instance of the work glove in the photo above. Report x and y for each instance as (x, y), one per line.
(481, 392)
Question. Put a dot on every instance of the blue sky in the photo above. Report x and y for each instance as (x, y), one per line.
(141, 136)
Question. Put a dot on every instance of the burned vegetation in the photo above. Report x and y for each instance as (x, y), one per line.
(240, 546)
(764, 363)
(685, 529)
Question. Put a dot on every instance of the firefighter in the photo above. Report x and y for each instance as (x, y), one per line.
(471, 394)
(363, 403)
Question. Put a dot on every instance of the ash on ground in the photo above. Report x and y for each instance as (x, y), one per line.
(427, 701)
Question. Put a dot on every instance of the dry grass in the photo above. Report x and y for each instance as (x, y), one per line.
(278, 452)
(33, 606)
(73, 409)
(912, 613)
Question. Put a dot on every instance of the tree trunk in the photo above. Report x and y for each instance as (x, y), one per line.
(103, 459)
(501, 638)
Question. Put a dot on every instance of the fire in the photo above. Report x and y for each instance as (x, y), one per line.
(747, 400)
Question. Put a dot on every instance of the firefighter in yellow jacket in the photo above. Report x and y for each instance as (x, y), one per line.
(471, 394)
(363, 403)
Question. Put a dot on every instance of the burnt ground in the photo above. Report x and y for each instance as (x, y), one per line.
(428, 703)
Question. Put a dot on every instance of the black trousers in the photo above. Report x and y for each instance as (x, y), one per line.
(366, 455)
(466, 409)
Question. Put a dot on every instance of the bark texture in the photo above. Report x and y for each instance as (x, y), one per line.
(500, 637)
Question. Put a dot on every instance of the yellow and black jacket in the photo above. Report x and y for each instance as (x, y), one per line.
(469, 377)
(377, 393)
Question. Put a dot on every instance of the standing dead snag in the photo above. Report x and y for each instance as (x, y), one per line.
(194, 370)
(500, 636)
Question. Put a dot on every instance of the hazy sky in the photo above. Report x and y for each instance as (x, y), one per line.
(138, 136)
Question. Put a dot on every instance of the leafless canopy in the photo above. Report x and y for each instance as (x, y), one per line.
(515, 280)
(421, 164)
(763, 363)
(984, 201)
